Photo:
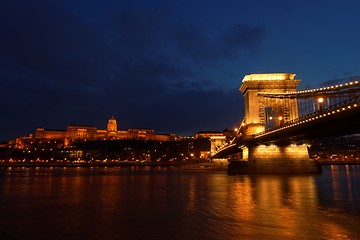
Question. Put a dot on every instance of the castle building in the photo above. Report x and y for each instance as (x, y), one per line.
(75, 133)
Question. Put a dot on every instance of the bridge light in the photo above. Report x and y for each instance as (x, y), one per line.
(236, 129)
(320, 100)
(280, 118)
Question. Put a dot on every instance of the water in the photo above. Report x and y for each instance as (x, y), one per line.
(168, 203)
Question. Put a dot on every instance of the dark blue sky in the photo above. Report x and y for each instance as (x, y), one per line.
(174, 66)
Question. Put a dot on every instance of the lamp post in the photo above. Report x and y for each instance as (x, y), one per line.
(320, 101)
(280, 120)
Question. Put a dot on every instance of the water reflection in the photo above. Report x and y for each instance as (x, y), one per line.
(164, 203)
(340, 187)
(279, 206)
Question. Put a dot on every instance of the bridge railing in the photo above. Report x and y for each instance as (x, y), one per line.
(347, 87)
(232, 141)
(321, 112)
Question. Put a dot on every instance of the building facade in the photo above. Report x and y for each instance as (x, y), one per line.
(76, 133)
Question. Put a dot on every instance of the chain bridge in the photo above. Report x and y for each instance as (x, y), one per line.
(279, 121)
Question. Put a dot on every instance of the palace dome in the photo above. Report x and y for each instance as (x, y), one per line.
(112, 125)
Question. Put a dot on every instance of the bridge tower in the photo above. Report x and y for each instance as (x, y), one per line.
(261, 112)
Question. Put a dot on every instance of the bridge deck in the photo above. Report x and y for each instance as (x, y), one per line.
(337, 120)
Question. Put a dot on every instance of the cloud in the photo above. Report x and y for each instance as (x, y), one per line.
(241, 37)
(49, 43)
(171, 54)
(201, 47)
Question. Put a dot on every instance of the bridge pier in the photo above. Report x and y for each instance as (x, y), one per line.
(275, 159)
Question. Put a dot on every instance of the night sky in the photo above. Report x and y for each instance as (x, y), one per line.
(173, 66)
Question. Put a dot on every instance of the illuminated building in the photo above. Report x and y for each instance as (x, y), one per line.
(112, 125)
(208, 134)
(76, 133)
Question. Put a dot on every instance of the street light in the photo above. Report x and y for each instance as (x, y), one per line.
(320, 101)
(280, 120)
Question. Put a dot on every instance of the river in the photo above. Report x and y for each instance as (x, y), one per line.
(170, 203)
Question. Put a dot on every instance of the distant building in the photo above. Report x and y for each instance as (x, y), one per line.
(217, 140)
(208, 134)
(75, 133)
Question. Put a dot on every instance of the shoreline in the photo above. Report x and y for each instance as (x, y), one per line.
(187, 165)
(340, 163)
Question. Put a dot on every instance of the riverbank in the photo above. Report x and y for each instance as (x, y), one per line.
(339, 163)
(183, 165)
